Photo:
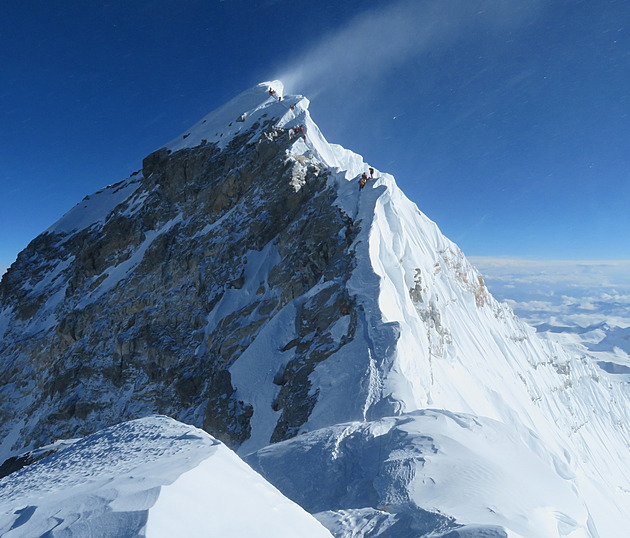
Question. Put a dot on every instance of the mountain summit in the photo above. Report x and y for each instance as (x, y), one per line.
(242, 283)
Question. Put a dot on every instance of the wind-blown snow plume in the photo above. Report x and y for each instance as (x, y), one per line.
(379, 40)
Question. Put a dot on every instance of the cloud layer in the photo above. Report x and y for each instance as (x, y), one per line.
(567, 293)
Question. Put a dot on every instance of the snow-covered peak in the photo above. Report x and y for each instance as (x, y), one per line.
(243, 282)
(263, 102)
(252, 111)
(266, 102)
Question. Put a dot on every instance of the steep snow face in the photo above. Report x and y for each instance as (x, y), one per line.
(450, 345)
(94, 210)
(150, 477)
(458, 349)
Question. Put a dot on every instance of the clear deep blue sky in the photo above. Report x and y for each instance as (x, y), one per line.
(507, 122)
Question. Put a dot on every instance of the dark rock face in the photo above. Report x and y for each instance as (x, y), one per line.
(16, 463)
(313, 345)
(112, 322)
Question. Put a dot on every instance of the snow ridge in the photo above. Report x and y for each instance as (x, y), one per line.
(434, 337)
(380, 375)
(150, 477)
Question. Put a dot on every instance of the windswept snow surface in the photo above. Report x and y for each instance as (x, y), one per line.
(96, 208)
(421, 467)
(151, 477)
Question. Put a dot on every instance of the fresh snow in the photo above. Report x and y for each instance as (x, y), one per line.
(427, 463)
(151, 477)
(94, 209)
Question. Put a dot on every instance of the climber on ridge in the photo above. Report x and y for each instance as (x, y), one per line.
(272, 92)
(371, 173)
(362, 181)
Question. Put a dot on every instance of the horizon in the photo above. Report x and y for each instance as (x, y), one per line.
(505, 124)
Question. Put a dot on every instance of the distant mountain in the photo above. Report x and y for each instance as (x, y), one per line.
(242, 283)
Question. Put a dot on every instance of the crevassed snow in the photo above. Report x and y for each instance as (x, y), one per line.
(150, 477)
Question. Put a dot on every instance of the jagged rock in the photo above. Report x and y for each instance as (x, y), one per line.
(135, 294)
(151, 162)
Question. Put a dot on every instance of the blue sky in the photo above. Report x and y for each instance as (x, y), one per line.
(507, 122)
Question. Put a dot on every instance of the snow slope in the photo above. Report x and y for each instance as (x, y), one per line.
(425, 471)
(432, 404)
(150, 477)
(434, 337)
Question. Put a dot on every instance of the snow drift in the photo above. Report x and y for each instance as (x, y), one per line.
(150, 477)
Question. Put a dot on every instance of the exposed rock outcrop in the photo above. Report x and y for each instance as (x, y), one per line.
(131, 316)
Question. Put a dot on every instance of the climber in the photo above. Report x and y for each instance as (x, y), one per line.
(371, 173)
(272, 92)
(363, 181)
(301, 132)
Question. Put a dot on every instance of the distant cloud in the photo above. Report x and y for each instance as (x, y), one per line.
(380, 39)
(604, 274)
(561, 292)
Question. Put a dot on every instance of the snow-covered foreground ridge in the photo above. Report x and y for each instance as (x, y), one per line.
(242, 283)
(150, 477)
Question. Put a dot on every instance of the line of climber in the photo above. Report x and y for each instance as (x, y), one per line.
(299, 129)
(364, 178)
(272, 92)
